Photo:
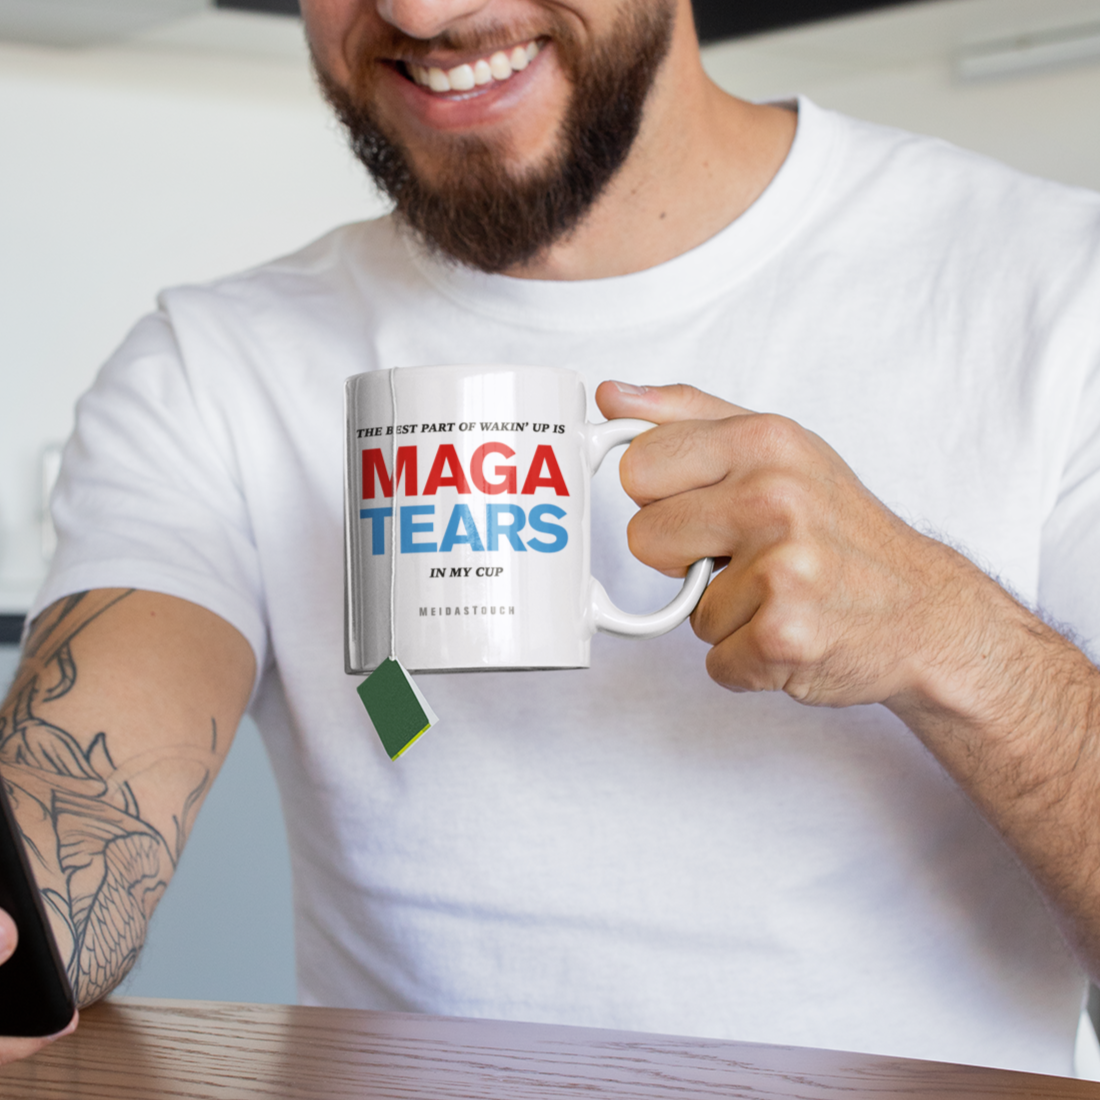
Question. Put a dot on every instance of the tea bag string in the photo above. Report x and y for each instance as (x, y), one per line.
(393, 519)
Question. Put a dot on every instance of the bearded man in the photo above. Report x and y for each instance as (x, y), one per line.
(884, 836)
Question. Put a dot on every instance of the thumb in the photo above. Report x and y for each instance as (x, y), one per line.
(662, 404)
(9, 937)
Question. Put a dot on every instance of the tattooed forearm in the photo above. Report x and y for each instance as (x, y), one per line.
(101, 865)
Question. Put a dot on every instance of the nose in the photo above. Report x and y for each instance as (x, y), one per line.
(427, 18)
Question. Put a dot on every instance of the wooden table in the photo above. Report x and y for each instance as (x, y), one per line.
(136, 1049)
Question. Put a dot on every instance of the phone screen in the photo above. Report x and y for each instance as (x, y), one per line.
(35, 996)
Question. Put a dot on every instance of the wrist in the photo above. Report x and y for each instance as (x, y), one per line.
(1002, 699)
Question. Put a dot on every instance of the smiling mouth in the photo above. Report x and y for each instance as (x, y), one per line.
(496, 68)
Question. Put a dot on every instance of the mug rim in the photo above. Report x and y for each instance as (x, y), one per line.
(481, 368)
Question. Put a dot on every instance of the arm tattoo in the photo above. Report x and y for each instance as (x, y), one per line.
(101, 867)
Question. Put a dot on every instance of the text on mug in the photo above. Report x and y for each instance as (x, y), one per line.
(447, 472)
(416, 525)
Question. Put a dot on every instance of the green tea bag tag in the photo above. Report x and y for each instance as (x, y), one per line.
(396, 707)
(399, 712)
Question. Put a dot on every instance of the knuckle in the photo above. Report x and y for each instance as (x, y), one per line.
(706, 618)
(773, 437)
(644, 466)
(637, 537)
(643, 538)
(652, 534)
(632, 470)
(785, 639)
(736, 673)
(672, 442)
(686, 394)
(794, 567)
(773, 498)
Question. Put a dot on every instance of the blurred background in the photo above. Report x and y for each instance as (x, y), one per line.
(145, 143)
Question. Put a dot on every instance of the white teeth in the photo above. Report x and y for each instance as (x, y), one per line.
(500, 66)
(464, 77)
(461, 78)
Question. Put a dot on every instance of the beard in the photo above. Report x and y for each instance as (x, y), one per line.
(474, 211)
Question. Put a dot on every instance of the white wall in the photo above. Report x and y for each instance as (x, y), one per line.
(897, 67)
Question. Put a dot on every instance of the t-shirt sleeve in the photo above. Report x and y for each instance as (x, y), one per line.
(149, 495)
(1069, 583)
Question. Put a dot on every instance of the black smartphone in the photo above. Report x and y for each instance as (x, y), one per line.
(35, 996)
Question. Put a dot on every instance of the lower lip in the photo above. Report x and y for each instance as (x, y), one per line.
(465, 110)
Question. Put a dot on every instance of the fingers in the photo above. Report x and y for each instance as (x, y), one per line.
(739, 664)
(662, 404)
(763, 628)
(768, 453)
(758, 615)
(809, 602)
(13, 1050)
(669, 534)
(787, 576)
(69, 1028)
(9, 937)
(692, 509)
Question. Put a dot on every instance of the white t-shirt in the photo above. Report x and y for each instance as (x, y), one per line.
(632, 846)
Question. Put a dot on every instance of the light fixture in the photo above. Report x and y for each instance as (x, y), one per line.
(1028, 52)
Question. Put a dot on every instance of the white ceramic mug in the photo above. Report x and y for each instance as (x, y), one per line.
(484, 486)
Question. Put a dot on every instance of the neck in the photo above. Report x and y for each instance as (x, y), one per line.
(701, 159)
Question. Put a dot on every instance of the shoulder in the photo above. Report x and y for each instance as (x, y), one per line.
(930, 172)
(320, 304)
(346, 262)
(962, 209)
(292, 324)
(914, 175)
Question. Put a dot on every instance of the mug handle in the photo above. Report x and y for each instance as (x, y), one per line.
(605, 616)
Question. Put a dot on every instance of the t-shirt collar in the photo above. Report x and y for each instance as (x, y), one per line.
(677, 286)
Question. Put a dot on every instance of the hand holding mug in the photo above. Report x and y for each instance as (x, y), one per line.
(827, 595)
(478, 477)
